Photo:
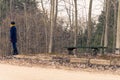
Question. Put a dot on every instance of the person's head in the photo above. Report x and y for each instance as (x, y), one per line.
(12, 23)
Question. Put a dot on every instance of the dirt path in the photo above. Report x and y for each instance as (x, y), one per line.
(10, 72)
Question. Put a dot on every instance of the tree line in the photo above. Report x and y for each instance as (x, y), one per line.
(40, 31)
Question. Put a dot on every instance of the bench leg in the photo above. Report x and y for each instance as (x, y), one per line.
(70, 52)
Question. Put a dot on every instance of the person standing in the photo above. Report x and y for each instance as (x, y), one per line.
(13, 37)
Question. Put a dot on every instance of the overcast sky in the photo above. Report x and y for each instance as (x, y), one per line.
(82, 7)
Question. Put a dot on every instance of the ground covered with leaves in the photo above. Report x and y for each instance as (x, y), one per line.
(56, 61)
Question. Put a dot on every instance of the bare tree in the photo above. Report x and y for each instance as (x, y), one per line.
(107, 22)
(52, 25)
(102, 37)
(68, 10)
(56, 12)
(118, 31)
(76, 24)
(11, 9)
(114, 3)
(89, 23)
(45, 24)
(26, 26)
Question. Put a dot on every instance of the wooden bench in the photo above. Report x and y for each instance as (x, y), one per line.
(70, 50)
(94, 49)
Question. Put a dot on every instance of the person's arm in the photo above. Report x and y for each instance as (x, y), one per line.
(11, 34)
(15, 34)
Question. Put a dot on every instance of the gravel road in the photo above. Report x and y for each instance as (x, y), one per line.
(12, 72)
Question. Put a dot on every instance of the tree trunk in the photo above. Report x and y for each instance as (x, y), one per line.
(118, 31)
(115, 24)
(107, 22)
(52, 26)
(45, 22)
(76, 24)
(56, 12)
(102, 37)
(55, 21)
(89, 23)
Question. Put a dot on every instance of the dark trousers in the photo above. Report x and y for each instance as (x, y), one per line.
(15, 51)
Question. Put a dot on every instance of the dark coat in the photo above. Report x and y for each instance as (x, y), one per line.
(13, 34)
